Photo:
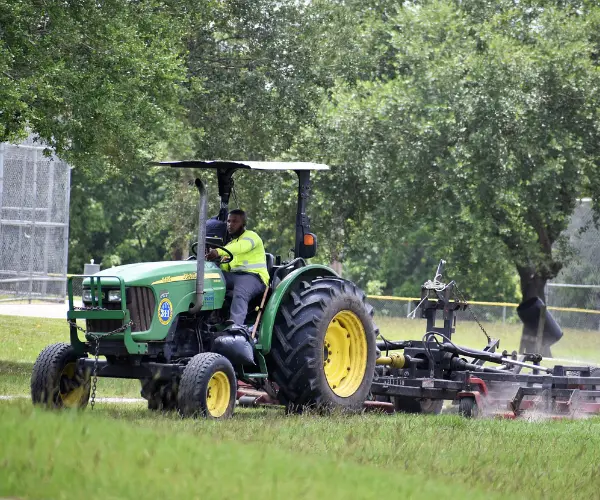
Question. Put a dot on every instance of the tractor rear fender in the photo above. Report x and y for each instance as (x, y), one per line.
(304, 273)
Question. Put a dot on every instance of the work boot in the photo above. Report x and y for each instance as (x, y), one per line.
(234, 328)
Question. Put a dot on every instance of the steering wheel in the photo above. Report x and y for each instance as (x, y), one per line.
(194, 251)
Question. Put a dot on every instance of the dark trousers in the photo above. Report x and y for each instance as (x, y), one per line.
(245, 287)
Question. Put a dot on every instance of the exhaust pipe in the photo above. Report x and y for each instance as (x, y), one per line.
(202, 210)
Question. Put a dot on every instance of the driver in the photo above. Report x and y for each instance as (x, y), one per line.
(246, 274)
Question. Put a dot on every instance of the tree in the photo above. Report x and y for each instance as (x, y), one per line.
(100, 82)
(265, 67)
(486, 128)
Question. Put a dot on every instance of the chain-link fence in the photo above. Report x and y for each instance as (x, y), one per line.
(34, 223)
(575, 292)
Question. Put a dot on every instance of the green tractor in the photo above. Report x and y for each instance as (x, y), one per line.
(312, 343)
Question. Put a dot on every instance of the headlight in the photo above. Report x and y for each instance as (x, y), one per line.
(114, 295)
(86, 296)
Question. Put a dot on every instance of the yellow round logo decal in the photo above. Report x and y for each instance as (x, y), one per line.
(165, 311)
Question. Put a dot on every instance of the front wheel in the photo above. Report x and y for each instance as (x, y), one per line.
(208, 387)
(323, 349)
(56, 381)
(468, 407)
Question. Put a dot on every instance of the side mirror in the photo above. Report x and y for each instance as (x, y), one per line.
(308, 247)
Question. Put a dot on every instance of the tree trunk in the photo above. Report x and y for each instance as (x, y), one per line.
(336, 265)
(532, 284)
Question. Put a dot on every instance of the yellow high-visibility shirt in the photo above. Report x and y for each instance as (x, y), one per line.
(248, 255)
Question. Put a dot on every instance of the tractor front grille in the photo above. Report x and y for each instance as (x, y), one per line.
(141, 307)
(140, 302)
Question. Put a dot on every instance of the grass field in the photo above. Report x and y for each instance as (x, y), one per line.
(22, 339)
(125, 451)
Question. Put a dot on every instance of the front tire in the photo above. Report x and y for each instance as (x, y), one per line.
(56, 381)
(323, 349)
(468, 407)
(208, 387)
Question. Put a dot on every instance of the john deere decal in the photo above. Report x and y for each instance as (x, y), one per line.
(165, 311)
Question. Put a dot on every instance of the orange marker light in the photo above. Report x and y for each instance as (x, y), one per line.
(309, 240)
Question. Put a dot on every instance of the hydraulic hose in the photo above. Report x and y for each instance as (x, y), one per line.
(489, 356)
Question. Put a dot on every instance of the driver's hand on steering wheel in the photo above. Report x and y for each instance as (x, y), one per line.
(212, 254)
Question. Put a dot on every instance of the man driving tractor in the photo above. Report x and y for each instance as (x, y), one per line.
(246, 274)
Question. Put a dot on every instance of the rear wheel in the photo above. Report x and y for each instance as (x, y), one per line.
(208, 387)
(56, 381)
(323, 349)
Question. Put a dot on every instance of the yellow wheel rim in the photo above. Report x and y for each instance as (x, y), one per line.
(71, 389)
(218, 394)
(345, 353)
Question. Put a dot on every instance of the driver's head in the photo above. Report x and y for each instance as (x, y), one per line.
(236, 222)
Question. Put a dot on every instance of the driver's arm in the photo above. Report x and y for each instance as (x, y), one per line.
(237, 247)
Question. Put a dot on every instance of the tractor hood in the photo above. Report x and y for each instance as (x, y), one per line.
(154, 273)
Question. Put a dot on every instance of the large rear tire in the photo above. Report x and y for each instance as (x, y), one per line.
(323, 349)
(208, 387)
(56, 381)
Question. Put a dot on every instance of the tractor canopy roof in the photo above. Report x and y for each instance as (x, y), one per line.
(225, 170)
(252, 165)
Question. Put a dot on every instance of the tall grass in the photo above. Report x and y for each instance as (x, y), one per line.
(47, 455)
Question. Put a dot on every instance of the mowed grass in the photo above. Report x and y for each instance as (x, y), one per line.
(126, 451)
(120, 455)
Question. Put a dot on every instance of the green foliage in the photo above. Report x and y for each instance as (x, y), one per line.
(455, 130)
(485, 130)
(105, 220)
(99, 82)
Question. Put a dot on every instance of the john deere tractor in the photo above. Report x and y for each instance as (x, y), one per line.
(310, 338)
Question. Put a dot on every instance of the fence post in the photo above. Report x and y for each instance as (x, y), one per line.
(20, 266)
(503, 314)
(66, 226)
(32, 239)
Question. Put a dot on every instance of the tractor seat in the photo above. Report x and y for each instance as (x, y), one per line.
(270, 264)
